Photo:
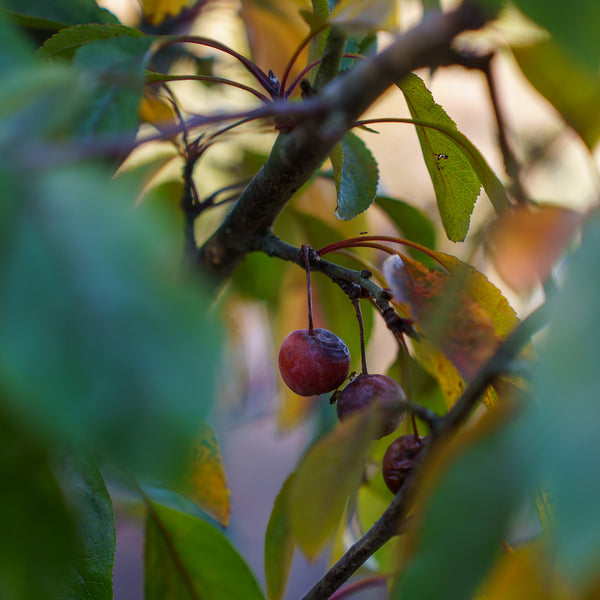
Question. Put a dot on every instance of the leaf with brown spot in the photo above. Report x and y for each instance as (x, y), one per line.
(445, 311)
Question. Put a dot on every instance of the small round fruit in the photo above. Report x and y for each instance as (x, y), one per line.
(312, 364)
(366, 389)
(399, 460)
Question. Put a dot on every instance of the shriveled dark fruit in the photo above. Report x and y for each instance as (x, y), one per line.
(312, 364)
(399, 460)
(360, 393)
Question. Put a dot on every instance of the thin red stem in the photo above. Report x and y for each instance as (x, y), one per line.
(306, 69)
(358, 242)
(221, 80)
(306, 251)
(295, 56)
(253, 69)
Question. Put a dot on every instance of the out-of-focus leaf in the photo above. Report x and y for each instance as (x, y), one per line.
(187, 558)
(469, 494)
(116, 70)
(525, 574)
(259, 277)
(413, 224)
(94, 518)
(67, 41)
(37, 541)
(124, 352)
(327, 474)
(279, 544)
(563, 426)
(364, 16)
(572, 90)
(56, 14)
(455, 181)
(527, 242)
(275, 30)
(543, 507)
(15, 49)
(356, 176)
(207, 484)
(40, 101)
(573, 26)
(456, 323)
(156, 11)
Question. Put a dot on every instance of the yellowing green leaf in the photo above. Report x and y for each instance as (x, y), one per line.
(571, 89)
(156, 11)
(327, 474)
(279, 545)
(364, 16)
(188, 559)
(207, 484)
(525, 574)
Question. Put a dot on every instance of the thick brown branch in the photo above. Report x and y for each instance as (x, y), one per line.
(297, 155)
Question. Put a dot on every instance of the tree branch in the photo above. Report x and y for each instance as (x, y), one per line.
(298, 154)
(391, 522)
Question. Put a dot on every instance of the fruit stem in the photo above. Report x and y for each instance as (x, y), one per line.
(357, 242)
(363, 356)
(306, 251)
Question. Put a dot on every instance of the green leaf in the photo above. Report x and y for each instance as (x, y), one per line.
(563, 428)
(186, 558)
(327, 474)
(37, 541)
(86, 491)
(575, 26)
(467, 513)
(56, 14)
(279, 544)
(116, 68)
(356, 177)
(571, 89)
(454, 179)
(123, 352)
(67, 41)
(413, 223)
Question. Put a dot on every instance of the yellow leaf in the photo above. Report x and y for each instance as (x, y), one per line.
(156, 11)
(275, 30)
(156, 111)
(525, 575)
(207, 485)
